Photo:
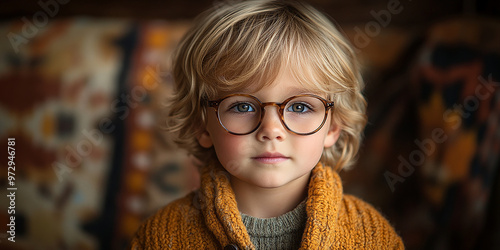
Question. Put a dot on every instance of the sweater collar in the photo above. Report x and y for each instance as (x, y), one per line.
(222, 217)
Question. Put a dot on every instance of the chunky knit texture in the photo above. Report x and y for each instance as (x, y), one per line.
(209, 218)
(282, 232)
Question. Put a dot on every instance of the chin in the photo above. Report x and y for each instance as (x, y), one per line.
(270, 183)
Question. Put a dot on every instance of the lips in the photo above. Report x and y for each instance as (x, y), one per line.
(270, 158)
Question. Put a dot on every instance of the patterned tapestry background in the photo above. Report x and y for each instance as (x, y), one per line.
(84, 99)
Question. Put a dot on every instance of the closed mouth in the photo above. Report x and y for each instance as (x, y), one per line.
(270, 158)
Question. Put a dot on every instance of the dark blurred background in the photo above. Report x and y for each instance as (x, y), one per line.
(83, 87)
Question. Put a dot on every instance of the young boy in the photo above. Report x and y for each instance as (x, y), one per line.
(269, 100)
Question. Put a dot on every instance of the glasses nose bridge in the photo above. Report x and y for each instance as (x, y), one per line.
(275, 104)
(279, 111)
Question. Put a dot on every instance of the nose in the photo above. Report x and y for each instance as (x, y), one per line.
(271, 127)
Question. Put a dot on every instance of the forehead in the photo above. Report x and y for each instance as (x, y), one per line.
(287, 82)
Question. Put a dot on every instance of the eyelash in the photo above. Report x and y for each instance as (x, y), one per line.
(306, 105)
(236, 104)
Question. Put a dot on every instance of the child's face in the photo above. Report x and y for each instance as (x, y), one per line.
(271, 156)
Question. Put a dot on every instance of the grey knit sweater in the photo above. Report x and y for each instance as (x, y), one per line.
(282, 232)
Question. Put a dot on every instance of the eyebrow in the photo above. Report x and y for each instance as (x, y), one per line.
(291, 91)
(298, 91)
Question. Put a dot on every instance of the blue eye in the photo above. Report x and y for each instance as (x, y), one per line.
(243, 107)
(299, 108)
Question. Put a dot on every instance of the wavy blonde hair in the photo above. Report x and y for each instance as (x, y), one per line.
(235, 44)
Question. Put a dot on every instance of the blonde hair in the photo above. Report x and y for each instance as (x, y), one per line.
(239, 43)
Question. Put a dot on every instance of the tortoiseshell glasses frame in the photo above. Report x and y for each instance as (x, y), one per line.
(281, 109)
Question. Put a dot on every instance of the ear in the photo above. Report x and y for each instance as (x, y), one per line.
(205, 140)
(333, 135)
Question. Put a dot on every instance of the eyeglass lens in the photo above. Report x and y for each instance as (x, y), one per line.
(242, 114)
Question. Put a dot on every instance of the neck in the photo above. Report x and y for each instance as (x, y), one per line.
(262, 202)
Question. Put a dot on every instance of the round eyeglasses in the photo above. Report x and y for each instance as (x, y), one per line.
(241, 114)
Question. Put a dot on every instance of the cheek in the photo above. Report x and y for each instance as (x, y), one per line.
(310, 148)
(313, 147)
(232, 150)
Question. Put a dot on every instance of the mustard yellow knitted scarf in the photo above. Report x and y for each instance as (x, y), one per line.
(209, 218)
